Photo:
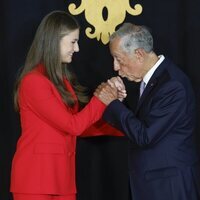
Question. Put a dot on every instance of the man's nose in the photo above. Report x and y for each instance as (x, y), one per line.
(116, 66)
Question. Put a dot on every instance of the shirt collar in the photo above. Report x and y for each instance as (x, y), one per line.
(152, 70)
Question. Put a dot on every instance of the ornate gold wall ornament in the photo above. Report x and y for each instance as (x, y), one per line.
(116, 13)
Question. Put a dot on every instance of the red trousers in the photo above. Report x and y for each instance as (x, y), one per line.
(19, 196)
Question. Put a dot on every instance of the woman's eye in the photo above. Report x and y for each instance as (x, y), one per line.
(75, 41)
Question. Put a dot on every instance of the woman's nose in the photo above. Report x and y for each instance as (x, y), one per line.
(76, 47)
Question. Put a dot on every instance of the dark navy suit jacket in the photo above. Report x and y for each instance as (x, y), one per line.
(163, 164)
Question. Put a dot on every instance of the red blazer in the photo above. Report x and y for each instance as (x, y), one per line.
(44, 162)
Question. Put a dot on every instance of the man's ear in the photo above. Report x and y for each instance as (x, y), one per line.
(140, 54)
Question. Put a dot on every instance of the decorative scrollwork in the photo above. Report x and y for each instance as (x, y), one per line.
(103, 28)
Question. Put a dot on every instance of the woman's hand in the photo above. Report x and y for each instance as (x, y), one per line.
(116, 82)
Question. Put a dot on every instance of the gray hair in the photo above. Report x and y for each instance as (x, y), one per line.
(134, 37)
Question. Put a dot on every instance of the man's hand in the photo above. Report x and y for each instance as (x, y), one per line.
(116, 82)
(106, 93)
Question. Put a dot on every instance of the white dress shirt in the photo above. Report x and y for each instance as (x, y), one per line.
(152, 70)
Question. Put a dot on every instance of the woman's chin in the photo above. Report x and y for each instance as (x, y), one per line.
(67, 61)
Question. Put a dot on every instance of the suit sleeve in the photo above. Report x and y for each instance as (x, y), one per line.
(167, 111)
(39, 96)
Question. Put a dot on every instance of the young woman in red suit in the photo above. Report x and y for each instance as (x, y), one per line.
(49, 100)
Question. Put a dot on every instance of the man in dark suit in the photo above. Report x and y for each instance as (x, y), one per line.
(163, 163)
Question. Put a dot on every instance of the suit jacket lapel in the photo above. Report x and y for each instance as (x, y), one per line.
(151, 84)
(154, 80)
(41, 69)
